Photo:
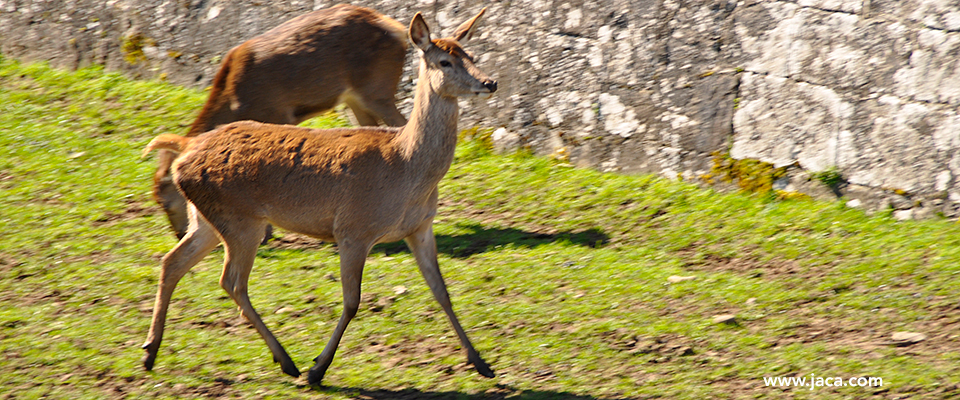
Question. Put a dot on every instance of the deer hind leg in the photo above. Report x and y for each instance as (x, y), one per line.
(165, 192)
(199, 240)
(352, 257)
(423, 245)
(240, 242)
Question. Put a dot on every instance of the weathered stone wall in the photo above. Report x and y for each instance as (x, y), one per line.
(866, 88)
(870, 88)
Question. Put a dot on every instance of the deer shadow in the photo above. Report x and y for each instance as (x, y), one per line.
(503, 392)
(481, 239)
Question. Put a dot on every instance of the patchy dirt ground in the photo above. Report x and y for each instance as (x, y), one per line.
(838, 335)
(844, 334)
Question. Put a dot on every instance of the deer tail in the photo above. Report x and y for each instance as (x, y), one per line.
(166, 141)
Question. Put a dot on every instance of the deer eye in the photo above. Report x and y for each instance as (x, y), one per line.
(445, 63)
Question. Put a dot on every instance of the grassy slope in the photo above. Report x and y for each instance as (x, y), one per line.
(559, 275)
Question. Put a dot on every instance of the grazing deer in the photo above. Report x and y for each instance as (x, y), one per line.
(358, 187)
(295, 71)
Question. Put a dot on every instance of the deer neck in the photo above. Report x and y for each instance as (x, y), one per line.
(429, 139)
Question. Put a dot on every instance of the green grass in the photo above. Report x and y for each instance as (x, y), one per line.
(559, 275)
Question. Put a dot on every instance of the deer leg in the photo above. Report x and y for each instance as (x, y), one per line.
(364, 117)
(377, 91)
(352, 258)
(165, 192)
(423, 245)
(241, 242)
(386, 110)
(199, 240)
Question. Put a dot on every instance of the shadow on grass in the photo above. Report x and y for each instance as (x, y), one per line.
(502, 392)
(481, 239)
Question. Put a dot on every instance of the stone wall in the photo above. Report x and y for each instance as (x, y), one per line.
(868, 89)
(871, 88)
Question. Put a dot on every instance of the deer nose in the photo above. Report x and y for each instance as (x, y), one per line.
(491, 86)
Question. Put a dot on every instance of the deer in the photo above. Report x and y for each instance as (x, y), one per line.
(353, 186)
(295, 71)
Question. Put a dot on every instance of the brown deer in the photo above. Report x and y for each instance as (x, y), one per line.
(295, 71)
(357, 187)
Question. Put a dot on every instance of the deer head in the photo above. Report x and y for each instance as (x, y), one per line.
(448, 68)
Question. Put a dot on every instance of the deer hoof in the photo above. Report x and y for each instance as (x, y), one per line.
(290, 369)
(316, 375)
(482, 367)
(148, 361)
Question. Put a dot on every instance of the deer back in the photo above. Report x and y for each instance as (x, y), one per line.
(300, 179)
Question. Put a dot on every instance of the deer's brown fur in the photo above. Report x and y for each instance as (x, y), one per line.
(358, 187)
(297, 70)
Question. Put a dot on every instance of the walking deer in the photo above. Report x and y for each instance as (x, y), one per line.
(303, 67)
(357, 187)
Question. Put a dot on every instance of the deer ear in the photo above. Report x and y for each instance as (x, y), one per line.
(465, 31)
(420, 33)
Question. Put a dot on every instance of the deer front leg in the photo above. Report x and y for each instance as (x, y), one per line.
(386, 110)
(199, 240)
(360, 112)
(352, 258)
(424, 247)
